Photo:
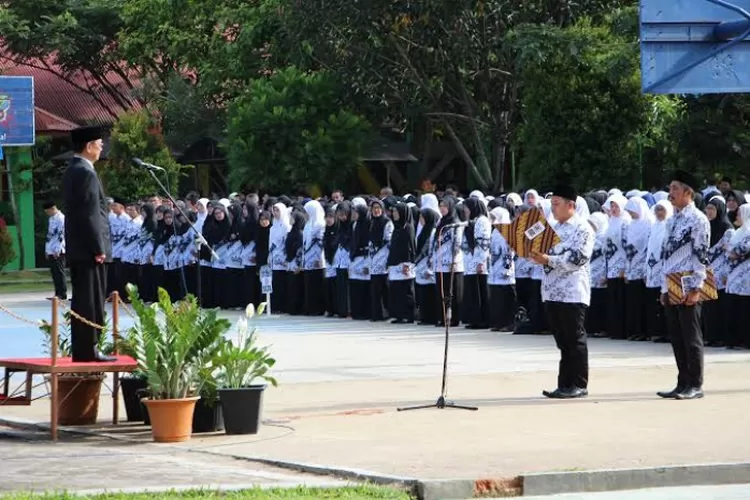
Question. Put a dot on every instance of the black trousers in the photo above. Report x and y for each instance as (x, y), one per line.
(314, 292)
(596, 315)
(342, 293)
(207, 287)
(523, 292)
(635, 304)
(359, 299)
(566, 321)
(426, 296)
(114, 277)
(131, 274)
(737, 311)
(231, 288)
(502, 306)
(401, 297)
(329, 296)
(250, 287)
(476, 305)
(716, 320)
(191, 280)
(617, 307)
(295, 293)
(656, 323)
(57, 269)
(446, 285)
(279, 294)
(89, 283)
(684, 326)
(150, 280)
(172, 283)
(379, 297)
(539, 323)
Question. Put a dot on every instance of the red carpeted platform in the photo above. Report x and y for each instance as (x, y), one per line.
(67, 365)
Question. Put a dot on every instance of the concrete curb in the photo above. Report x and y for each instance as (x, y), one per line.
(631, 479)
(549, 483)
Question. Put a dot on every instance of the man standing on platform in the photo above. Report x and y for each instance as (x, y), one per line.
(685, 250)
(87, 241)
(566, 293)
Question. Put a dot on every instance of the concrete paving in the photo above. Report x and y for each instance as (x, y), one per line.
(342, 381)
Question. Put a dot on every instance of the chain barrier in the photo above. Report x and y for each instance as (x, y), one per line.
(80, 318)
(20, 318)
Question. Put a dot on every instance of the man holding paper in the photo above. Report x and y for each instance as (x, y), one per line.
(685, 254)
(566, 292)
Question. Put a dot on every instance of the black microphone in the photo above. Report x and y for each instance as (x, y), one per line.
(142, 164)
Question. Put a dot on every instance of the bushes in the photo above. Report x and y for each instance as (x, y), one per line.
(7, 254)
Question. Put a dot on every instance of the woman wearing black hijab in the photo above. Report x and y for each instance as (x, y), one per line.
(401, 266)
(220, 244)
(189, 278)
(425, 291)
(735, 199)
(295, 282)
(165, 230)
(262, 238)
(359, 266)
(209, 231)
(330, 246)
(232, 292)
(248, 236)
(381, 231)
(715, 324)
(476, 250)
(449, 262)
(342, 258)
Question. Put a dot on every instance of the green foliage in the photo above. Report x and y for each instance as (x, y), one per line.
(241, 362)
(290, 131)
(584, 116)
(7, 254)
(175, 343)
(134, 135)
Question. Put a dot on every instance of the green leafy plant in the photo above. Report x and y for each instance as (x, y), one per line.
(175, 344)
(7, 254)
(242, 362)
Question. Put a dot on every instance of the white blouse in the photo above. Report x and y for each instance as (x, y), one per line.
(425, 274)
(480, 256)
(502, 261)
(447, 250)
(379, 257)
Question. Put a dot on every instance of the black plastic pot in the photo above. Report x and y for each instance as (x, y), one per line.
(242, 409)
(207, 418)
(133, 389)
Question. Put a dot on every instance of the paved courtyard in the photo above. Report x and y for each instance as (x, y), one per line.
(342, 381)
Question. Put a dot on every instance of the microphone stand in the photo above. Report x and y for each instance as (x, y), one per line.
(200, 241)
(442, 401)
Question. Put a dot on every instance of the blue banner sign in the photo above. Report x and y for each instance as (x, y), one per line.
(16, 111)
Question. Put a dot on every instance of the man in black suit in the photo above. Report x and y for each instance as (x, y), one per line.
(87, 242)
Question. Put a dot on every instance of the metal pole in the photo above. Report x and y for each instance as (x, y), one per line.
(731, 29)
(53, 373)
(116, 341)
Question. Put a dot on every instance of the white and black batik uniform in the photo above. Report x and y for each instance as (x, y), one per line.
(54, 249)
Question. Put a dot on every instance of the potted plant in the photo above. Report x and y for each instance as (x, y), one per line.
(134, 386)
(208, 416)
(173, 343)
(241, 365)
(79, 392)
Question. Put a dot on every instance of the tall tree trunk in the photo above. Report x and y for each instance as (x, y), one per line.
(16, 215)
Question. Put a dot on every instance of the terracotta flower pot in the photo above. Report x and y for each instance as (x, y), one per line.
(171, 419)
(79, 399)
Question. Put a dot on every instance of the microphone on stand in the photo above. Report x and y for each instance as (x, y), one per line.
(147, 166)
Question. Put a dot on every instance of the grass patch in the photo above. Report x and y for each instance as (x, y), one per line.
(9, 288)
(364, 492)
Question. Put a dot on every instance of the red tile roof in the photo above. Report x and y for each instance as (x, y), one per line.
(46, 122)
(71, 98)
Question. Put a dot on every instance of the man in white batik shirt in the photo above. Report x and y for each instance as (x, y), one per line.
(566, 292)
(685, 249)
(54, 249)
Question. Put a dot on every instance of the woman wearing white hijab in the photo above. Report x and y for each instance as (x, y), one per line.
(656, 327)
(313, 262)
(280, 227)
(738, 281)
(636, 248)
(596, 314)
(614, 252)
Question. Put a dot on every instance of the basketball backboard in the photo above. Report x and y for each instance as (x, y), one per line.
(16, 111)
(695, 46)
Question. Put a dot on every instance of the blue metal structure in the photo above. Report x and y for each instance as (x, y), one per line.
(16, 111)
(695, 46)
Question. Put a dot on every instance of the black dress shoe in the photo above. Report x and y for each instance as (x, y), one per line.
(552, 394)
(101, 358)
(671, 394)
(690, 393)
(573, 393)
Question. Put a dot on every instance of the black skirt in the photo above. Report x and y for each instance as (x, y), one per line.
(401, 296)
(502, 306)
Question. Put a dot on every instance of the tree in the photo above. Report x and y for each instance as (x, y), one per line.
(134, 136)
(291, 131)
(584, 116)
(445, 61)
(73, 39)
